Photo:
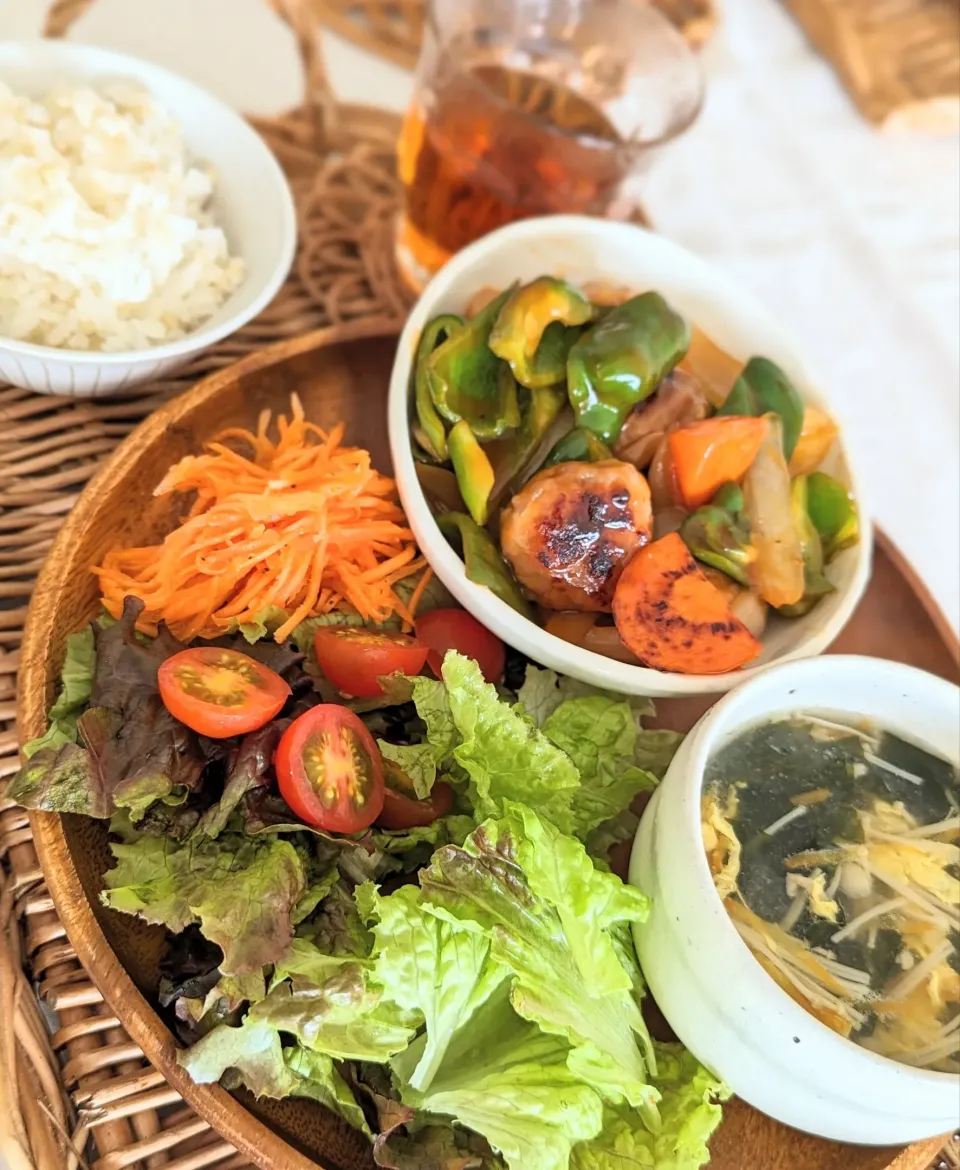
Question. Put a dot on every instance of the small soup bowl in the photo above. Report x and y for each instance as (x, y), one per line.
(717, 998)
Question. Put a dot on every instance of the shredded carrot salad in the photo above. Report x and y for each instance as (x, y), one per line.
(302, 524)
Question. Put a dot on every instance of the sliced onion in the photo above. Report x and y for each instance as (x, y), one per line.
(778, 569)
(744, 603)
(714, 369)
(668, 520)
(606, 641)
(662, 479)
(751, 610)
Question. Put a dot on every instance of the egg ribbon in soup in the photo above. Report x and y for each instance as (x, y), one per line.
(835, 847)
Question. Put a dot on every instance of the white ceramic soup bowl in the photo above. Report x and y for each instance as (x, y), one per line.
(716, 996)
(251, 202)
(583, 249)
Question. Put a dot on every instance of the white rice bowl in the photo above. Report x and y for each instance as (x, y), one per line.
(107, 242)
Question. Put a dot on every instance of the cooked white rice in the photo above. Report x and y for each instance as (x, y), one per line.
(106, 238)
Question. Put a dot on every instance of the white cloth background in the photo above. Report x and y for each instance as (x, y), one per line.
(850, 235)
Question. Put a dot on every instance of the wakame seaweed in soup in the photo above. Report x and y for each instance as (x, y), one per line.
(835, 846)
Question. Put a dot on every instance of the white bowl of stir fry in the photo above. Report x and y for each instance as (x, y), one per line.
(801, 855)
(614, 458)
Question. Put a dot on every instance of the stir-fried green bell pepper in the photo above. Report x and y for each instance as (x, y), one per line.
(815, 584)
(539, 410)
(579, 446)
(537, 328)
(468, 381)
(473, 470)
(764, 388)
(431, 433)
(833, 512)
(621, 360)
(718, 534)
(481, 558)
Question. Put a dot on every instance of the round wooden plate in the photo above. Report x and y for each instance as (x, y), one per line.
(340, 374)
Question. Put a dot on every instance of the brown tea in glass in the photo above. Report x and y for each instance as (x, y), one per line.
(528, 107)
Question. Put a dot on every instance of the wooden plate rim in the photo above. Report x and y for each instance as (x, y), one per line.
(224, 1113)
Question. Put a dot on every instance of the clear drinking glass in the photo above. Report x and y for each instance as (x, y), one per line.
(528, 107)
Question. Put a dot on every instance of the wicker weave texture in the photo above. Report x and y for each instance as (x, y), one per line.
(899, 59)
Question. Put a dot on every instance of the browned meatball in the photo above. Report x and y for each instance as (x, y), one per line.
(571, 530)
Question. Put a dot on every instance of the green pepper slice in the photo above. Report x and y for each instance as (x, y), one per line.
(622, 359)
(431, 434)
(473, 470)
(579, 446)
(536, 330)
(482, 560)
(539, 411)
(468, 381)
(833, 512)
(763, 388)
(815, 584)
(718, 534)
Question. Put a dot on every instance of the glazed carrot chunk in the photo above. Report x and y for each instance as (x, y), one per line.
(673, 618)
(718, 450)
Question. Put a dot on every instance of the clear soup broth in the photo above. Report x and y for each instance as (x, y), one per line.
(835, 846)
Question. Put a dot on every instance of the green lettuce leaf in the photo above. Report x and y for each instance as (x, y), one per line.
(618, 829)
(345, 1017)
(549, 916)
(429, 966)
(417, 761)
(510, 1081)
(599, 734)
(76, 681)
(655, 749)
(304, 963)
(435, 1147)
(433, 706)
(690, 1114)
(505, 756)
(241, 890)
(254, 1055)
(337, 928)
(449, 830)
(543, 691)
(62, 780)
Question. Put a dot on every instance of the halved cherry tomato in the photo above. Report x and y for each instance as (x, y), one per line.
(329, 770)
(354, 658)
(403, 812)
(455, 629)
(220, 693)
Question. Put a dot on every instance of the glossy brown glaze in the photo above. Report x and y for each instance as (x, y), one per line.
(570, 530)
(339, 373)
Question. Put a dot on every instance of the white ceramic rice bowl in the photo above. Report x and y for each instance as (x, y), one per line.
(583, 249)
(252, 203)
(717, 998)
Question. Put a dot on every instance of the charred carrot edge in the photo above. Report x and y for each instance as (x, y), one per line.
(673, 618)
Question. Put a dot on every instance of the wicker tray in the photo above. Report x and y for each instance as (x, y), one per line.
(85, 1093)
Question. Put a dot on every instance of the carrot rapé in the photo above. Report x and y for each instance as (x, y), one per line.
(718, 450)
(673, 618)
(303, 525)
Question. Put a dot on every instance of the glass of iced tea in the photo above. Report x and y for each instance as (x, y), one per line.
(530, 107)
